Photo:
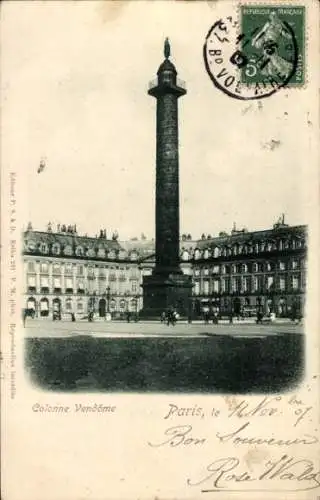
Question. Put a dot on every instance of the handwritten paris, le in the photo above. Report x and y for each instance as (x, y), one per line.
(282, 469)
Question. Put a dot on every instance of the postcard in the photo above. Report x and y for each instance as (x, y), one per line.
(160, 242)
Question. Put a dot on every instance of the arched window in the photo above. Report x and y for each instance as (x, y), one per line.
(185, 255)
(216, 252)
(133, 255)
(111, 254)
(43, 248)
(80, 251)
(206, 254)
(91, 252)
(122, 254)
(197, 254)
(67, 250)
(31, 245)
(69, 305)
(101, 253)
(56, 249)
(244, 268)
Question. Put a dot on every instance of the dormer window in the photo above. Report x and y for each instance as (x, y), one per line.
(133, 255)
(68, 250)
(185, 255)
(31, 245)
(197, 254)
(56, 249)
(43, 248)
(80, 251)
(101, 253)
(91, 252)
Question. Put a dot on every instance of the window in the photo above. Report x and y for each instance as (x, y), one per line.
(56, 248)
(80, 270)
(44, 284)
(31, 246)
(223, 269)
(216, 286)
(255, 284)
(69, 305)
(91, 252)
(68, 250)
(80, 287)
(282, 266)
(31, 267)
(44, 248)
(240, 249)
(225, 285)
(101, 253)
(206, 287)
(294, 264)
(80, 306)
(206, 254)
(269, 283)
(268, 266)
(197, 288)
(246, 284)
(57, 284)
(68, 269)
(44, 268)
(215, 270)
(244, 268)
(255, 267)
(32, 281)
(68, 285)
(112, 254)
(197, 272)
(216, 252)
(31, 284)
(206, 272)
(134, 286)
(79, 251)
(197, 254)
(133, 255)
(233, 285)
(185, 255)
(56, 269)
(234, 268)
(282, 283)
(294, 282)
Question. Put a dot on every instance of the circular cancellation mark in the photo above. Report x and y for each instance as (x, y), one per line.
(250, 65)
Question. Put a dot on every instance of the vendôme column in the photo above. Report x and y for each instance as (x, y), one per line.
(167, 287)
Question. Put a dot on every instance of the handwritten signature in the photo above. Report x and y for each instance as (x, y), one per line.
(226, 473)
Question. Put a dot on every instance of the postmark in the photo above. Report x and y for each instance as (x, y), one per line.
(255, 56)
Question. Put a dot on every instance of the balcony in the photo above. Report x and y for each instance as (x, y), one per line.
(179, 83)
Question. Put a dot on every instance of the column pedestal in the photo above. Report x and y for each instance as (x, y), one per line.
(163, 292)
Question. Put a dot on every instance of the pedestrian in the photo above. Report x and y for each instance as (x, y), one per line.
(73, 318)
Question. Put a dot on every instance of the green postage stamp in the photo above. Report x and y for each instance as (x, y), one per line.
(273, 41)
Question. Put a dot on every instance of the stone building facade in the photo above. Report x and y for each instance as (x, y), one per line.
(236, 273)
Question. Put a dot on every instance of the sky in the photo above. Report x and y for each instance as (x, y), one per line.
(74, 84)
